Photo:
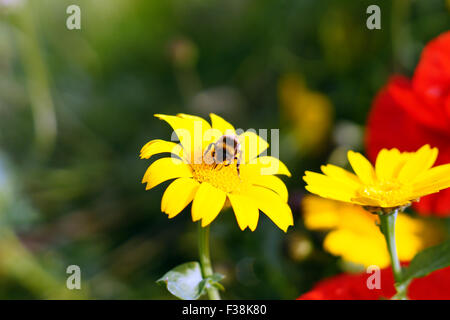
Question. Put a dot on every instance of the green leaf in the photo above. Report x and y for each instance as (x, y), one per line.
(427, 261)
(186, 282)
(213, 281)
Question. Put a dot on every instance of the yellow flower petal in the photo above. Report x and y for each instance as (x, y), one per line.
(273, 183)
(200, 127)
(320, 214)
(362, 167)
(357, 238)
(207, 203)
(328, 193)
(410, 235)
(399, 160)
(178, 195)
(266, 165)
(183, 129)
(386, 163)
(165, 169)
(327, 187)
(436, 179)
(206, 126)
(341, 175)
(272, 205)
(423, 191)
(160, 146)
(360, 249)
(220, 124)
(245, 210)
(190, 130)
(419, 162)
(367, 201)
(251, 146)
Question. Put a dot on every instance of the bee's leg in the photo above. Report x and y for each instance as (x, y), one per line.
(238, 159)
(208, 148)
(210, 159)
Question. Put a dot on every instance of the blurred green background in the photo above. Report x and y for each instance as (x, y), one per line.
(76, 106)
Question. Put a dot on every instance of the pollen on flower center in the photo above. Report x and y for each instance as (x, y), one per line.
(385, 191)
(222, 177)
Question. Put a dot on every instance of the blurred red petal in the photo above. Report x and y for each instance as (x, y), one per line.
(435, 286)
(346, 286)
(432, 75)
(430, 115)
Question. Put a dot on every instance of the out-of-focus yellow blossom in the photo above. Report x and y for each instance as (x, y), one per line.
(341, 39)
(309, 112)
(210, 185)
(355, 236)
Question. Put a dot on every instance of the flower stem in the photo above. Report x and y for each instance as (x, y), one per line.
(387, 227)
(205, 261)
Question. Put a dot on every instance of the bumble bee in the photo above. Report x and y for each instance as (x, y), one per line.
(225, 151)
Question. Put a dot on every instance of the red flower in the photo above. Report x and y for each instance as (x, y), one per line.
(435, 286)
(407, 114)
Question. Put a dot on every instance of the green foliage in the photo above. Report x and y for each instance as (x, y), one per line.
(427, 261)
(186, 281)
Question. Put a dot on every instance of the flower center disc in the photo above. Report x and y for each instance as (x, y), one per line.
(385, 191)
(223, 177)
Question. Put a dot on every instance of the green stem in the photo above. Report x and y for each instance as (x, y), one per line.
(37, 80)
(387, 227)
(205, 261)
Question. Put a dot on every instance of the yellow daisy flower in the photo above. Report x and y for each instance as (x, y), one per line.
(397, 179)
(309, 112)
(248, 182)
(355, 236)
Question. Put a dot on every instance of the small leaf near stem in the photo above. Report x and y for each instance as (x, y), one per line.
(427, 261)
(205, 261)
(186, 281)
(387, 227)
